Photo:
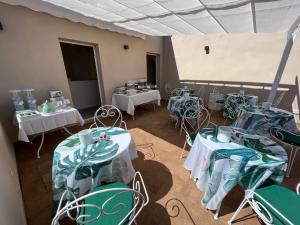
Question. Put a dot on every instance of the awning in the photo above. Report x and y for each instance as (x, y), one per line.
(171, 17)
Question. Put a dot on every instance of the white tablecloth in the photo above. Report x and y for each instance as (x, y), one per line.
(47, 121)
(128, 103)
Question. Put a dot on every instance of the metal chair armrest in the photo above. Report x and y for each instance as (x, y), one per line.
(257, 208)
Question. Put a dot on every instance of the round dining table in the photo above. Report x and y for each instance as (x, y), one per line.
(80, 168)
(175, 105)
(261, 120)
(218, 166)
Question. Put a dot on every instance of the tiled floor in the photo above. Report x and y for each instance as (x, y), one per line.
(174, 198)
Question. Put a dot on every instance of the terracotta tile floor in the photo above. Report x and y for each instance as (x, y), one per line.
(174, 198)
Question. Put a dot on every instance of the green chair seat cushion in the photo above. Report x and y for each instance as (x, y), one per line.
(283, 200)
(289, 138)
(125, 198)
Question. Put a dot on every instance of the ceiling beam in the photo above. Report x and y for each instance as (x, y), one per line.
(253, 16)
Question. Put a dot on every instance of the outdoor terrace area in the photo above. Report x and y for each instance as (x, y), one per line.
(174, 197)
(149, 112)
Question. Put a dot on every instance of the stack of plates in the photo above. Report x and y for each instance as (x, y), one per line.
(120, 90)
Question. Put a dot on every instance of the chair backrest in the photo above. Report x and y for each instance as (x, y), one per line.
(277, 133)
(233, 104)
(279, 99)
(76, 208)
(108, 112)
(200, 115)
(285, 137)
(191, 102)
(176, 92)
(191, 118)
(204, 117)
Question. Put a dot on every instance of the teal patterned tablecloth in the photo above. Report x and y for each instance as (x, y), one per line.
(79, 169)
(236, 100)
(260, 121)
(175, 106)
(220, 166)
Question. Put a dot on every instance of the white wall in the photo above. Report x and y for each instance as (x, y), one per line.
(235, 61)
(30, 55)
(11, 204)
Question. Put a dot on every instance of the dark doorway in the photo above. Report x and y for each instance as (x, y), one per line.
(151, 68)
(81, 69)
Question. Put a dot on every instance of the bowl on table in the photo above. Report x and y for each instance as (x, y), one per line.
(224, 134)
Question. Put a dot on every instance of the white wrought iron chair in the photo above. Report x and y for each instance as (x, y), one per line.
(282, 209)
(188, 103)
(232, 106)
(203, 119)
(288, 139)
(112, 204)
(106, 112)
(181, 107)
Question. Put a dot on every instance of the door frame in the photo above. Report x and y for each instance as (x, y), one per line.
(97, 63)
(157, 62)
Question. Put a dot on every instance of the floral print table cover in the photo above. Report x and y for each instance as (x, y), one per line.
(220, 166)
(260, 120)
(79, 169)
(175, 106)
(231, 108)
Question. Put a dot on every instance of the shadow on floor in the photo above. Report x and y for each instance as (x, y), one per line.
(174, 197)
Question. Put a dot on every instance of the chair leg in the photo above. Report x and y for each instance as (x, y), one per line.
(211, 112)
(216, 216)
(66, 130)
(291, 162)
(183, 150)
(176, 124)
(40, 147)
(241, 206)
(180, 128)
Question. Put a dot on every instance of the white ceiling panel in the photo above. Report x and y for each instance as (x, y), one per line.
(204, 22)
(179, 5)
(276, 16)
(172, 17)
(237, 19)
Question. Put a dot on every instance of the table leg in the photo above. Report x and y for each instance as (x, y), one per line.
(41, 144)
(216, 216)
(31, 139)
(66, 130)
